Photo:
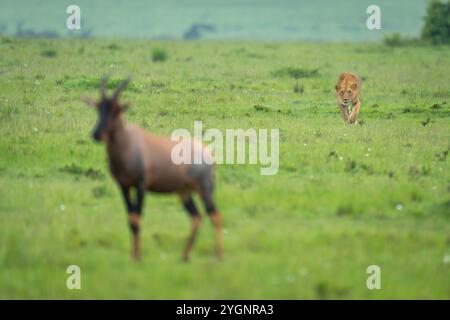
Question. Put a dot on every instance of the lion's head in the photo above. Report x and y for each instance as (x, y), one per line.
(347, 91)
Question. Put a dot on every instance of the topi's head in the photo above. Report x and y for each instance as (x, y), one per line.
(109, 109)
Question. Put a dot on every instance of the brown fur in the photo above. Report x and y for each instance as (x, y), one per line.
(348, 89)
(132, 152)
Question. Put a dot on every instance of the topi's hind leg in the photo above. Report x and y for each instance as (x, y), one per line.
(216, 219)
(190, 207)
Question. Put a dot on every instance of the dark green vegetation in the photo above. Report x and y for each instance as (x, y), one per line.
(437, 22)
(436, 29)
(159, 54)
(345, 197)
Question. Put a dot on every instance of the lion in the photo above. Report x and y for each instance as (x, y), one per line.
(348, 89)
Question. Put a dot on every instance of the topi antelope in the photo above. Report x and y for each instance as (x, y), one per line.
(142, 161)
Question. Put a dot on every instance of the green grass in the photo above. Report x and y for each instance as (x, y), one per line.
(345, 197)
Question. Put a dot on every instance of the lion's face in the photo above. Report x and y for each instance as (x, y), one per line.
(346, 93)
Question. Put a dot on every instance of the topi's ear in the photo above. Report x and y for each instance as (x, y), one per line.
(124, 106)
(120, 108)
(89, 101)
(354, 86)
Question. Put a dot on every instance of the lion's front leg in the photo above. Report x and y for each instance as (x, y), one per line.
(354, 115)
(344, 112)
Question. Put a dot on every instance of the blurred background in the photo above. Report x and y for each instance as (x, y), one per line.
(214, 19)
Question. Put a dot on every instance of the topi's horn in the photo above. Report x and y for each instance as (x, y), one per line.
(103, 83)
(120, 88)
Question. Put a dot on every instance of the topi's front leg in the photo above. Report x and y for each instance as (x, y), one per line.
(134, 219)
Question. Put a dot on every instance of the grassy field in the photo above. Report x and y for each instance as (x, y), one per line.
(345, 197)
